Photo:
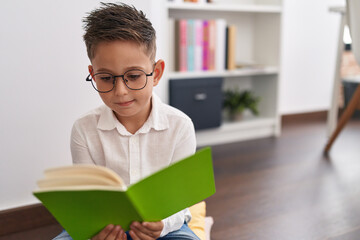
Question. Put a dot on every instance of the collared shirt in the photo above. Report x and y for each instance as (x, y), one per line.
(166, 137)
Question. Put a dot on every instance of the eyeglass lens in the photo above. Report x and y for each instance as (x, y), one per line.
(134, 79)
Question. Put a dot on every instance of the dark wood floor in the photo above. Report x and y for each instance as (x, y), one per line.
(281, 188)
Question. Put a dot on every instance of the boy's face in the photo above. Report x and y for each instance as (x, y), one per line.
(116, 58)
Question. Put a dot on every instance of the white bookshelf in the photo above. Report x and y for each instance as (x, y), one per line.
(255, 8)
(258, 41)
(237, 131)
(233, 73)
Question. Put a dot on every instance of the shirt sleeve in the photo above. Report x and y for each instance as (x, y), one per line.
(186, 146)
(79, 149)
(174, 222)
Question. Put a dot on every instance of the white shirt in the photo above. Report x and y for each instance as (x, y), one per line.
(167, 136)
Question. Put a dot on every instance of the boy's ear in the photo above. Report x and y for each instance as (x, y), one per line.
(91, 70)
(158, 71)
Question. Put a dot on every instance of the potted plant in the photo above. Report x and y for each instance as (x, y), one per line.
(235, 102)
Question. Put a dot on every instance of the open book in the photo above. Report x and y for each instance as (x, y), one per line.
(86, 198)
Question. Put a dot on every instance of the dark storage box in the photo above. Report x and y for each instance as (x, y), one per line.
(349, 90)
(200, 98)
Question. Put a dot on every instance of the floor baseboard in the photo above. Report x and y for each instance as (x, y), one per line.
(301, 117)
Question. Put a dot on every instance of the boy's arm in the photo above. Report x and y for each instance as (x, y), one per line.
(185, 144)
(79, 149)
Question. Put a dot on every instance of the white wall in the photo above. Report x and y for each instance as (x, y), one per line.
(309, 46)
(43, 65)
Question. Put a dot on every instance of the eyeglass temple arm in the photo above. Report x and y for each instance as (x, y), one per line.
(88, 78)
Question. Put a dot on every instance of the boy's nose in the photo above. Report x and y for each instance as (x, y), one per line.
(120, 87)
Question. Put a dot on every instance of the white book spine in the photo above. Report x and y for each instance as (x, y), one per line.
(220, 44)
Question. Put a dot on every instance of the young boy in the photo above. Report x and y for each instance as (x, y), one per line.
(134, 133)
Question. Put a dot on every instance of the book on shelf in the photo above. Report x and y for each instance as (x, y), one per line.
(182, 45)
(212, 43)
(206, 48)
(190, 40)
(86, 198)
(220, 45)
(198, 44)
(231, 47)
(203, 45)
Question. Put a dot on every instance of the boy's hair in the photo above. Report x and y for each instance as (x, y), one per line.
(122, 22)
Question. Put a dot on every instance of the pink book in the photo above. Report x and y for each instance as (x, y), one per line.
(183, 45)
(198, 45)
(212, 44)
(205, 45)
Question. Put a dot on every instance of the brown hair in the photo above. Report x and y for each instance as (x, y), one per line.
(122, 22)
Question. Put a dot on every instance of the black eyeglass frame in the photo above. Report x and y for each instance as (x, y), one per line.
(89, 79)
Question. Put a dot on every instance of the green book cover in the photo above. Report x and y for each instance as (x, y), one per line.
(85, 212)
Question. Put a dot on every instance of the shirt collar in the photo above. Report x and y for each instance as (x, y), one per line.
(157, 119)
(107, 119)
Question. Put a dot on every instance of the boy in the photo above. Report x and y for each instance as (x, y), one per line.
(134, 133)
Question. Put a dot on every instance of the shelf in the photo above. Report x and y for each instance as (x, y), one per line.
(251, 8)
(258, 50)
(233, 73)
(238, 131)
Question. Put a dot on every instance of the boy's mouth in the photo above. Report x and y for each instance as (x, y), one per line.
(125, 103)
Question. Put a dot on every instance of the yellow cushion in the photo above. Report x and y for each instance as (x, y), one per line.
(197, 223)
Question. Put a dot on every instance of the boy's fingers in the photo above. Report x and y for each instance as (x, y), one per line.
(104, 233)
(121, 235)
(143, 232)
(154, 226)
(137, 227)
(114, 233)
(133, 235)
(141, 235)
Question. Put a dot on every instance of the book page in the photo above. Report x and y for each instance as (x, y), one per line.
(80, 175)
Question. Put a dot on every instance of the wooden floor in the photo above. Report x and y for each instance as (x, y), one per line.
(281, 188)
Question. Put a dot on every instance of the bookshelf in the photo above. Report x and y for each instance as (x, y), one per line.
(258, 26)
(235, 7)
(233, 73)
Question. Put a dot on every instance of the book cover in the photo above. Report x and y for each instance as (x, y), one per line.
(84, 210)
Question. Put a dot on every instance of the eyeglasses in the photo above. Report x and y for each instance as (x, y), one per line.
(105, 82)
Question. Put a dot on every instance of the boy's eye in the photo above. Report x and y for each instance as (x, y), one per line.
(133, 75)
(104, 77)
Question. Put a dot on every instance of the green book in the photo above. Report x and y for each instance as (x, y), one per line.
(86, 198)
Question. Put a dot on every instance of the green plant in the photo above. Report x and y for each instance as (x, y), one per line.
(236, 101)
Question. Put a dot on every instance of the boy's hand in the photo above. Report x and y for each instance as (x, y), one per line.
(146, 230)
(111, 232)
